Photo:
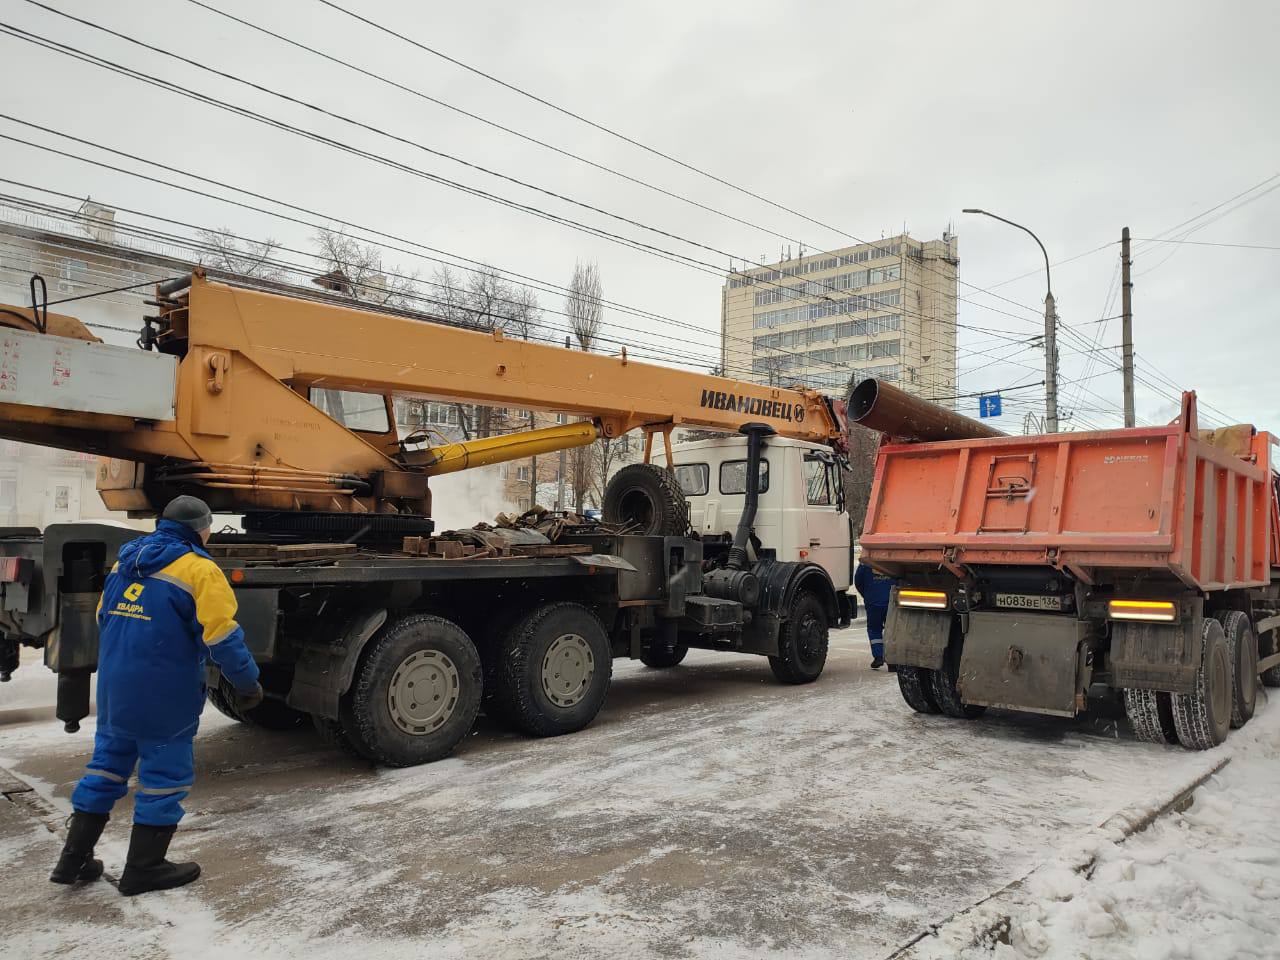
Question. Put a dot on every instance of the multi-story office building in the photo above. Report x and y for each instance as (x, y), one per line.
(885, 309)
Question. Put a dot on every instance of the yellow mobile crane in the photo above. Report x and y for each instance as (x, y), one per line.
(279, 406)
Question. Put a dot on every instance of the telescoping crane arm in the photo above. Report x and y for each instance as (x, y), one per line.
(284, 402)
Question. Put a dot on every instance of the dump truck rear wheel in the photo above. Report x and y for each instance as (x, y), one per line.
(1203, 717)
(1243, 648)
(555, 670)
(660, 657)
(1150, 714)
(416, 691)
(945, 692)
(802, 641)
(1268, 644)
(916, 684)
(647, 500)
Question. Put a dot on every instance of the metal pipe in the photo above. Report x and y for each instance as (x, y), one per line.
(878, 406)
(755, 434)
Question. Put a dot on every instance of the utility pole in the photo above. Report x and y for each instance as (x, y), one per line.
(1126, 295)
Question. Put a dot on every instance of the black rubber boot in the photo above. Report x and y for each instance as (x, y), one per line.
(77, 865)
(147, 869)
(877, 663)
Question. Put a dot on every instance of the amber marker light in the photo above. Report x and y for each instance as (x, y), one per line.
(923, 599)
(1160, 611)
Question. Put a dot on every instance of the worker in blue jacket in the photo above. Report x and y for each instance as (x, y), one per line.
(876, 589)
(166, 608)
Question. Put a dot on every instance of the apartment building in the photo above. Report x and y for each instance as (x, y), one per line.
(885, 309)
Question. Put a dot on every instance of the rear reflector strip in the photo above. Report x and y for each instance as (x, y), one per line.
(923, 599)
(1160, 611)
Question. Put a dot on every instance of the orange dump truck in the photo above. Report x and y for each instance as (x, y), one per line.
(1034, 571)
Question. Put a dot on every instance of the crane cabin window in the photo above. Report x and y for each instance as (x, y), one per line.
(733, 476)
(365, 412)
(694, 478)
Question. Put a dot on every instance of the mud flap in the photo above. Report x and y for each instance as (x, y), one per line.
(916, 638)
(1024, 662)
(1158, 656)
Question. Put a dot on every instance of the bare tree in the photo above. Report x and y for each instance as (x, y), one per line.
(223, 250)
(356, 271)
(583, 306)
(586, 315)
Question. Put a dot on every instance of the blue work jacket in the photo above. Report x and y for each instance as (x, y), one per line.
(165, 609)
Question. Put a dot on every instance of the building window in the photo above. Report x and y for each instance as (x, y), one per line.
(522, 473)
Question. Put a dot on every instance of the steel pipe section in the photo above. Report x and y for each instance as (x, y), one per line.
(878, 406)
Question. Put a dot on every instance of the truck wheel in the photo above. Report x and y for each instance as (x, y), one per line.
(945, 692)
(1268, 644)
(1150, 714)
(646, 499)
(659, 657)
(802, 642)
(271, 714)
(1203, 717)
(916, 684)
(555, 670)
(416, 691)
(1243, 649)
(335, 735)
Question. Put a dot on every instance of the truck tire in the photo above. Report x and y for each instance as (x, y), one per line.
(1243, 648)
(1203, 717)
(916, 684)
(660, 658)
(802, 641)
(645, 499)
(555, 670)
(271, 714)
(1150, 714)
(1268, 644)
(945, 693)
(387, 713)
(335, 735)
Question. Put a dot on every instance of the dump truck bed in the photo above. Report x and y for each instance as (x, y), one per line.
(1163, 498)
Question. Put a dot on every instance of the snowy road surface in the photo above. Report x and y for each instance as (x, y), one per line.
(709, 811)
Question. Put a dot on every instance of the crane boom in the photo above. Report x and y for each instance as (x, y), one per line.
(285, 402)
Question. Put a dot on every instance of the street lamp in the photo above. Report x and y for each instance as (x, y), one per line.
(1050, 329)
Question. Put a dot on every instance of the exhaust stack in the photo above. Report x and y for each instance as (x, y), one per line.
(878, 406)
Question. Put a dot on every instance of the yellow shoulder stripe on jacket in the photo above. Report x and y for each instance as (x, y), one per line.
(215, 603)
(114, 567)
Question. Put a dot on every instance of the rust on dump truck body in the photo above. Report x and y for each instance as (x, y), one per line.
(1151, 497)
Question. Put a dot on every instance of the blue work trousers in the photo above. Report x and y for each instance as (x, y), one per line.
(876, 614)
(166, 770)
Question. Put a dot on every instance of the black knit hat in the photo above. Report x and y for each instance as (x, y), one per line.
(191, 511)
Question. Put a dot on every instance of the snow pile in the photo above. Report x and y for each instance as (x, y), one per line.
(1204, 883)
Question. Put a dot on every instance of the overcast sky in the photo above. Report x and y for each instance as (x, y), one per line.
(1073, 118)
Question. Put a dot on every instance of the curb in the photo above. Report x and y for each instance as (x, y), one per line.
(974, 924)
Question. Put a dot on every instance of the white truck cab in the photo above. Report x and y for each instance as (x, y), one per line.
(801, 513)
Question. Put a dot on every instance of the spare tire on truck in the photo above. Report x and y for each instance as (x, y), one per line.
(647, 500)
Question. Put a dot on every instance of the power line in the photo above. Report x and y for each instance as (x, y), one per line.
(604, 168)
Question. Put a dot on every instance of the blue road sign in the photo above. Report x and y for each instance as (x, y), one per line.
(989, 405)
